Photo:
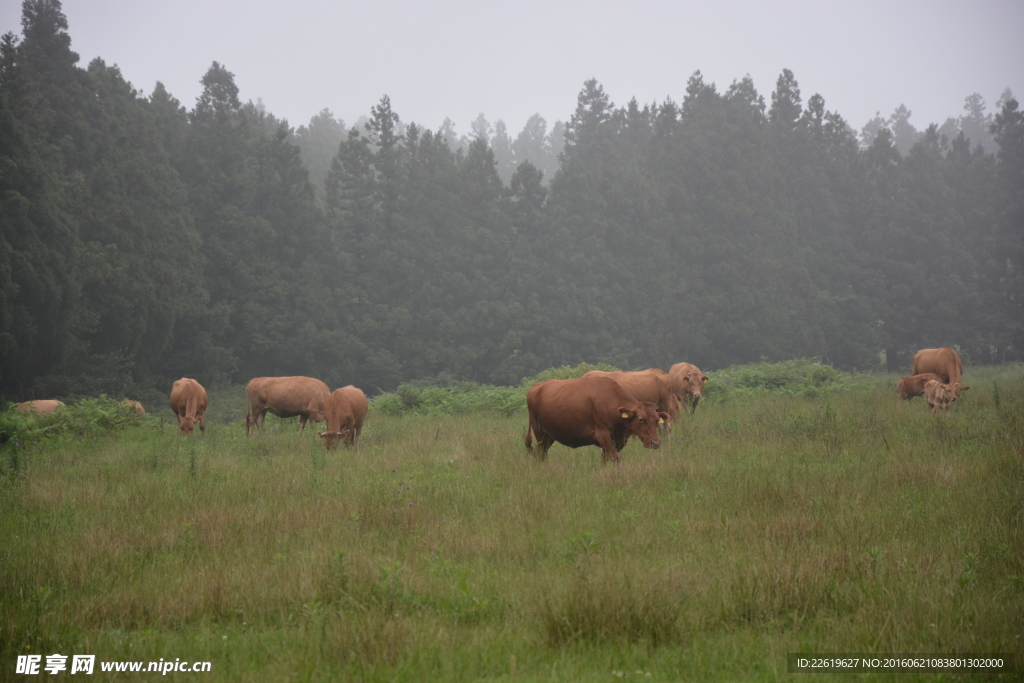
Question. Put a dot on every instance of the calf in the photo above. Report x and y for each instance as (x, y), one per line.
(941, 395)
(909, 387)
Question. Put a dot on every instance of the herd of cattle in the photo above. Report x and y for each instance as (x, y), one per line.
(309, 398)
(599, 409)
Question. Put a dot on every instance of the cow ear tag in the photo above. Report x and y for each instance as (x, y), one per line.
(624, 414)
(661, 421)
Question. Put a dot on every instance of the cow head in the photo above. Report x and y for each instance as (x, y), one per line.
(696, 383)
(331, 438)
(902, 390)
(643, 422)
(186, 424)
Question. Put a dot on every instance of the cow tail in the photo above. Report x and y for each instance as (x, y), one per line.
(529, 438)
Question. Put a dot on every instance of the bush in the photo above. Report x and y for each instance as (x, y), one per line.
(87, 417)
(803, 377)
(455, 398)
(462, 398)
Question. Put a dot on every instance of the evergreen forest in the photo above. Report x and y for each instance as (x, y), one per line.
(142, 240)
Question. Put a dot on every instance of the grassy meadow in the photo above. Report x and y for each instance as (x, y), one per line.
(767, 523)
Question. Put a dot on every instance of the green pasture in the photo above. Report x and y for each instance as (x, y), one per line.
(828, 521)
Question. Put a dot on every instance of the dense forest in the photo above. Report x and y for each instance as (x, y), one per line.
(141, 241)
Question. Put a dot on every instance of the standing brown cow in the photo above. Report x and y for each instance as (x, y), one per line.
(189, 401)
(909, 387)
(589, 411)
(651, 385)
(687, 383)
(285, 397)
(942, 361)
(46, 406)
(346, 410)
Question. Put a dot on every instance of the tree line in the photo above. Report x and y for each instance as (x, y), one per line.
(143, 241)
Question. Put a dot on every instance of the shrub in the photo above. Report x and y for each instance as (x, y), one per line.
(462, 398)
(456, 398)
(803, 377)
(87, 417)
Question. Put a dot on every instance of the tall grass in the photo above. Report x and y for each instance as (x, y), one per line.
(768, 523)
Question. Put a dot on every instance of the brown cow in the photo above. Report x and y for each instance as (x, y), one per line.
(686, 381)
(909, 387)
(47, 406)
(285, 397)
(189, 401)
(941, 395)
(136, 405)
(589, 411)
(942, 361)
(651, 385)
(346, 410)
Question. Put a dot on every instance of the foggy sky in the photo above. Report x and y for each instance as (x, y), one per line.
(509, 60)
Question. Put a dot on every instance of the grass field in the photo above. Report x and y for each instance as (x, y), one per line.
(442, 550)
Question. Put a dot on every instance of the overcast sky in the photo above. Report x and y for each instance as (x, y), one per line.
(511, 59)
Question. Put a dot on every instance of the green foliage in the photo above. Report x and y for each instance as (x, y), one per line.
(458, 398)
(88, 417)
(465, 397)
(803, 377)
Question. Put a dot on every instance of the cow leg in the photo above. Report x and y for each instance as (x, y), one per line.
(607, 443)
(202, 424)
(302, 422)
(693, 408)
(543, 444)
(260, 416)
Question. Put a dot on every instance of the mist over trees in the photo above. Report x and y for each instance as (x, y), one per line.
(142, 241)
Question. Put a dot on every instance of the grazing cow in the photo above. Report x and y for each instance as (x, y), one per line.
(285, 397)
(346, 410)
(136, 405)
(686, 381)
(941, 395)
(189, 401)
(942, 361)
(47, 406)
(909, 387)
(589, 411)
(651, 385)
